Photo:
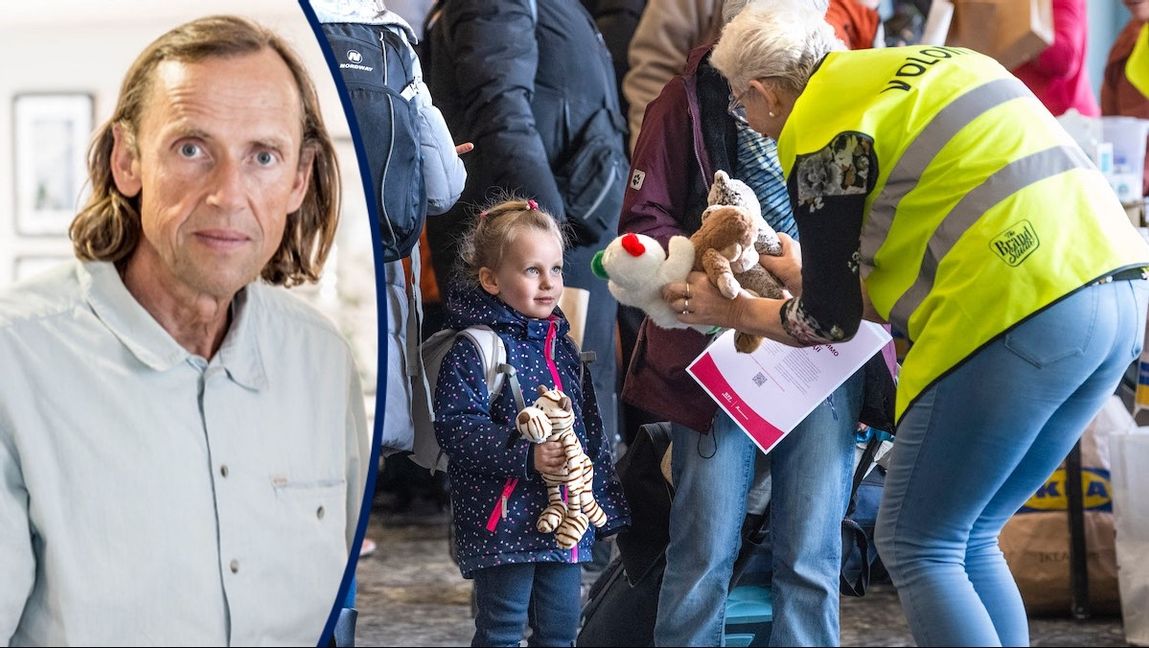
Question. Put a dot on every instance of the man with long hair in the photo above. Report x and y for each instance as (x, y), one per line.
(182, 445)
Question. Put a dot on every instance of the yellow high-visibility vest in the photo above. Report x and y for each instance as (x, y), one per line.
(984, 211)
(1137, 65)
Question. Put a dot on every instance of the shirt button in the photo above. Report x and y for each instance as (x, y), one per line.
(223, 470)
(234, 565)
(319, 512)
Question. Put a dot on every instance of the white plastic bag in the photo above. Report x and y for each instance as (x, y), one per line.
(1129, 454)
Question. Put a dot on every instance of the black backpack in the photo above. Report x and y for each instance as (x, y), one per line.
(377, 71)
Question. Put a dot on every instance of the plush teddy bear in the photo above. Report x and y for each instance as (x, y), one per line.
(551, 418)
(637, 268)
(727, 191)
(732, 236)
(732, 192)
(728, 244)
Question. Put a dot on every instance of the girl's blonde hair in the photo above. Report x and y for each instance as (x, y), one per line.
(495, 228)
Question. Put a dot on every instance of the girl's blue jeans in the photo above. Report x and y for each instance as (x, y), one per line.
(543, 595)
(979, 443)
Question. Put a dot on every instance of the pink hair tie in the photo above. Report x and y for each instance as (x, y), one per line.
(484, 213)
(532, 205)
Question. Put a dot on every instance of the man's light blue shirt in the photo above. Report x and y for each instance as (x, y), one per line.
(149, 496)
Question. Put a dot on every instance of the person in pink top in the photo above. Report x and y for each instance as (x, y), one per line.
(1058, 75)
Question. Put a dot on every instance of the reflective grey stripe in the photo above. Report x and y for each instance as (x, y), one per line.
(1004, 182)
(918, 155)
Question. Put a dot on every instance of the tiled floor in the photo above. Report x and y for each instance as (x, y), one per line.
(411, 594)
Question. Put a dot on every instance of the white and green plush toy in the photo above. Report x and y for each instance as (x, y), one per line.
(636, 268)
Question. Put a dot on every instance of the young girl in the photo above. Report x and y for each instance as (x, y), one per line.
(513, 277)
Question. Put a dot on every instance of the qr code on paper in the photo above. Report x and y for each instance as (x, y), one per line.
(759, 379)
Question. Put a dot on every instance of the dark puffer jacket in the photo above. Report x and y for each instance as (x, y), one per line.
(485, 451)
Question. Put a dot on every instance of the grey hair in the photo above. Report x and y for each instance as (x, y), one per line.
(781, 41)
(732, 8)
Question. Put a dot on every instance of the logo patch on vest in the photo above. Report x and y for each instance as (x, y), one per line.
(1015, 244)
(636, 179)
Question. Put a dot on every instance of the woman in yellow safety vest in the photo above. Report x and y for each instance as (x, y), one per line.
(983, 233)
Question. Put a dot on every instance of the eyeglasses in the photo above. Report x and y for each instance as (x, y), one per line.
(736, 109)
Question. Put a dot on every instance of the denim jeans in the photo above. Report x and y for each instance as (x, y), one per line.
(545, 595)
(811, 470)
(979, 443)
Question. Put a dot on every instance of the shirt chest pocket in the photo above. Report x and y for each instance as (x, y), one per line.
(314, 510)
(308, 530)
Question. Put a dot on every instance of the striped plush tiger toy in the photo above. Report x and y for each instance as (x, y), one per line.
(551, 418)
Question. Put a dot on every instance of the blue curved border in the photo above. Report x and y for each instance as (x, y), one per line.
(381, 312)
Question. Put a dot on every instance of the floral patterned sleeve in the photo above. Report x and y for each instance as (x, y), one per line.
(828, 189)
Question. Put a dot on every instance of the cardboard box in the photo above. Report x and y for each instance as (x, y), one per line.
(1136, 214)
(1011, 31)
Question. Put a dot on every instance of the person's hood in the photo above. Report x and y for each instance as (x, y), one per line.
(367, 12)
(695, 57)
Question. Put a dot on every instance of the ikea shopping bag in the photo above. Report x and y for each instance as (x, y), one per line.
(1035, 541)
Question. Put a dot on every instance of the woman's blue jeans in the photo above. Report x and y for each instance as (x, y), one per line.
(810, 471)
(979, 443)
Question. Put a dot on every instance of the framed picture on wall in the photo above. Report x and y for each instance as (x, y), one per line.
(51, 133)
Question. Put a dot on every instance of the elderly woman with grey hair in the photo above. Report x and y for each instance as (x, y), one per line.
(984, 234)
(688, 134)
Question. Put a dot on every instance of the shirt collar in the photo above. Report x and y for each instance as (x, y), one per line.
(151, 344)
(239, 354)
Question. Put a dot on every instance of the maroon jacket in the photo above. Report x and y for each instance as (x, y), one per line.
(665, 197)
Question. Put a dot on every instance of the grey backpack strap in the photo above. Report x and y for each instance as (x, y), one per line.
(415, 320)
(416, 368)
(516, 390)
(416, 294)
(584, 358)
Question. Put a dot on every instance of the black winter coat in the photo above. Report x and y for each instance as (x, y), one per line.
(522, 79)
(522, 92)
(617, 20)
